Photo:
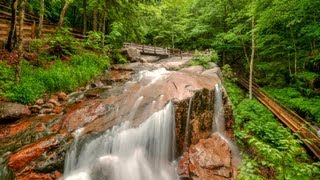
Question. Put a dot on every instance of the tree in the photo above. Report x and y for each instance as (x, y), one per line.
(39, 31)
(12, 33)
(63, 12)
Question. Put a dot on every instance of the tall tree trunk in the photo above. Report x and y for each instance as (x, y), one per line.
(12, 34)
(104, 28)
(295, 58)
(62, 13)
(20, 39)
(40, 19)
(253, 47)
(95, 20)
(84, 17)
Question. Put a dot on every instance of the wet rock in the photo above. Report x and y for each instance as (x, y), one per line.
(83, 113)
(208, 159)
(31, 152)
(62, 96)
(40, 102)
(54, 102)
(96, 84)
(12, 111)
(95, 92)
(46, 111)
(37, 176)
(75, 96)
(35, 108)
(57, 110)
(48, 105)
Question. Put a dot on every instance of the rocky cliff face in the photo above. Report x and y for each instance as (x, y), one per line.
(35, 147)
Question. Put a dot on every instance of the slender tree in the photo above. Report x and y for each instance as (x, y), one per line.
(20, 39)
(63, 12)
(84, 31)
(13, 33)
(39, 31)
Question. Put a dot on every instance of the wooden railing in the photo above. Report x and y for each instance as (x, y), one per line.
(30, 25)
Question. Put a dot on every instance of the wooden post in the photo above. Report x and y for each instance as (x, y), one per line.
(143, 48)
(155, 50)
(33, 30)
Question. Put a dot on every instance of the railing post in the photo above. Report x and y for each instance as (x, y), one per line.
(155, 50)
(33, 29)
(143, 48)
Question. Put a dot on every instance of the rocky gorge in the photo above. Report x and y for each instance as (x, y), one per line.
(163, 110)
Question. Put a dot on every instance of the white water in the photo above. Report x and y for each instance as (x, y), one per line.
(218, 125)
(123, 153)
(186, 136)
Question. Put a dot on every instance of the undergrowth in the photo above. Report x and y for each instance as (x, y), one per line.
(204, 59)
(269, 150)
(60, 76)
(308, 107)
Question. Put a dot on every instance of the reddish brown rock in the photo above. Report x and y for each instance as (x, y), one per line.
(208, 159)
(31, 152)
(83, 113)
(35, 176)
(57, 110)
(62, 96)
(54, 102)
(40, 102)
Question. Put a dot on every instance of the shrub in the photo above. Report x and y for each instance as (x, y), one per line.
(118, 58)
(203, 59)
(94, 42)
(268, 145)
(63, 43)
(35, 45)
(7, 77)
(59, 77)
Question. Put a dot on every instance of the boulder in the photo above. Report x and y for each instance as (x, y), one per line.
(208, 159)
(12, 111)
(62, 96)
(133, 54)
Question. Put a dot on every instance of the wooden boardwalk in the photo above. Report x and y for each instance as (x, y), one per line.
(302, 128)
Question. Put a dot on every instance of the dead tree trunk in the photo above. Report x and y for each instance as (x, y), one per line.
(13, 33)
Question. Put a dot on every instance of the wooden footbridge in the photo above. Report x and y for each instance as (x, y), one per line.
(302, 128)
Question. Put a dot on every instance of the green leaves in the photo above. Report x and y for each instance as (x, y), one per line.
(268, 144)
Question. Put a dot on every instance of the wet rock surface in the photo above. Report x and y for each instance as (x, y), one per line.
(208, 159)
(35, 147)
(10, 112)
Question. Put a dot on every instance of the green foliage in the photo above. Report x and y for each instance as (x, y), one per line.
(58, 77)
(268, 144)
(117, 57)
(63, 43)
(35, 45)
(228, 73)
(7, 75)
(94, 41)
(308, 107)
(203, 59)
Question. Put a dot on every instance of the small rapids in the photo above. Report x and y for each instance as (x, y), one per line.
(122, 153)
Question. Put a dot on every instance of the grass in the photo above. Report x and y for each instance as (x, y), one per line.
(60, 76)
(270, 151)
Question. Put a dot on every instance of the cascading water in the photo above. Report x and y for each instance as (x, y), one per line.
(124, 152)
(218, 125)
(186, 136)
(145, 152)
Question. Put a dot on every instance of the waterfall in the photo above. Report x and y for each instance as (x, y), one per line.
(121, 153)
(218, 124)
(186, 136)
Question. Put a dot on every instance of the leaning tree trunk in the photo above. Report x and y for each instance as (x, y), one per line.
(104, 28)
(252, 56)
(12, 34)
(20, 39)
(62, 14)
(39, 32)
